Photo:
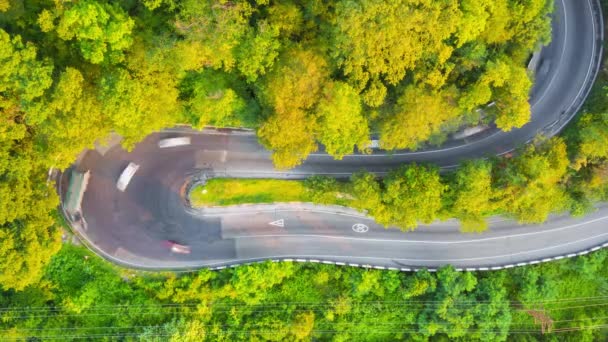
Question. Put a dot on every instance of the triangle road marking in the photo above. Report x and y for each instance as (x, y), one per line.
(278, 223)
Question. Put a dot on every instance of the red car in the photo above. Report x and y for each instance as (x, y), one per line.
(177, 248)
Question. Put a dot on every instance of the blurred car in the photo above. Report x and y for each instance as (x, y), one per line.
(177, 248)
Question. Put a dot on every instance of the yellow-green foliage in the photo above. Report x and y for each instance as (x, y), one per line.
(220, 191)
(301, 302)
(529, 186)
(291, 90)
(102, 31)
(301, 73)
(418, 114)
(470, 197)
(227, 191)
(342, 125)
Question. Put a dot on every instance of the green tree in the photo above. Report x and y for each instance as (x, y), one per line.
(473, 22)
(522, 24)
(287, 17)
(211, 100)
(71, 108)
(102, 31)
(511, 86)
(447, 316)
(28, 241)
(138, 103)
(530, 185)
(258, 50)
(5, 5)
(341, 123)
(470, 195)
(367, 193)
(365, 56)
(418, 114)
(24, 77)
(412, 195)
(493, 313)
(591, 139)
(28, 237)
(212, 30)
(290, 93)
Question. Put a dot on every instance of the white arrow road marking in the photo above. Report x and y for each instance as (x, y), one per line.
(278, 223)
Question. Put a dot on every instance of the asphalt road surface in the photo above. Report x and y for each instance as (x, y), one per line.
(129, 227)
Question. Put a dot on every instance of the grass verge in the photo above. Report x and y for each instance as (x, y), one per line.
(228, 191)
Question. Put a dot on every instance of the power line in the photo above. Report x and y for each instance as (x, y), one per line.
(152, 311)
(259, 324)
(284, 330)
(471, 302)
(276, 331)
(321, 304)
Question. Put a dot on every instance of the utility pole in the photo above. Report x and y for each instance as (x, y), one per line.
(541, 317)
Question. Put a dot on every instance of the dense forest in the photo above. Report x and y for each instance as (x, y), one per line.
(80, 297)
(301, 72)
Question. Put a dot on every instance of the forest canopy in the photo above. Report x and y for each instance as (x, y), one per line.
(82, 298)
(300, 72)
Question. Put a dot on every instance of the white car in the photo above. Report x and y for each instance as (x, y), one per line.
(126, 175)
(174, 142)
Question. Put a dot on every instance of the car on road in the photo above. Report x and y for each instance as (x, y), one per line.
(126, 175)
(177, 248)
(174, 142)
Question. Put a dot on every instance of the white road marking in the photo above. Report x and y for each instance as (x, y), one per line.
(577, 225)
(560, 56)
(360, 228)
(590, 64)
(530, 251)
(278, 223)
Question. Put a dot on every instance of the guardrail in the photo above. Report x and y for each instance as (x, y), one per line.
(78, 228)
(414, 268)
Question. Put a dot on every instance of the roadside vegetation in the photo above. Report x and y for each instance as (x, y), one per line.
(539, 180)
(225, 191)
(80, 297)
(301, 73)
(221, 191)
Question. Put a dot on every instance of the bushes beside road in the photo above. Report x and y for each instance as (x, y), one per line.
(81, 297)
(562, 174)
(540, 179)
(225, 191)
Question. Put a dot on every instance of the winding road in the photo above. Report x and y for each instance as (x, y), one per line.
(129, 227)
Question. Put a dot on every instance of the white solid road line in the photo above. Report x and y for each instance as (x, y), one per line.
(484, 257)
(590, 64)
(561, 56)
